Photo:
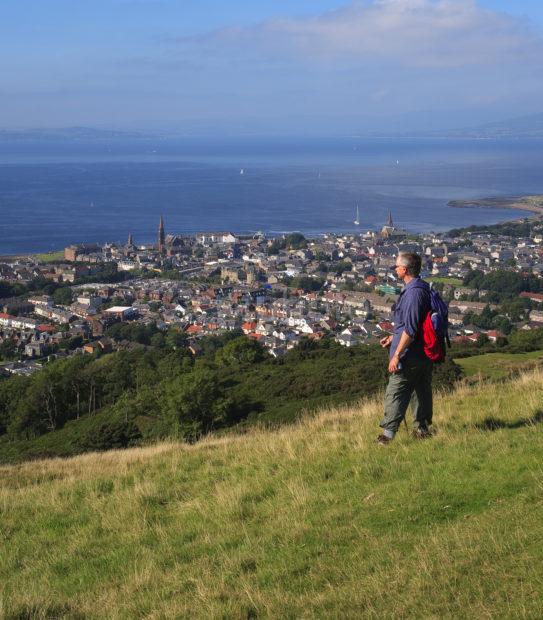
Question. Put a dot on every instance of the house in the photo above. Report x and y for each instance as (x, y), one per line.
(35, 349)
(121, 312)
(347, 339)
(248, 327)
(537, 297)
(385, 326)
(91, 347)
(536, 316)
(194, 330)
(493, 335)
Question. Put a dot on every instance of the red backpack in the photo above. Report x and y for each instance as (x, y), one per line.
(435, 329)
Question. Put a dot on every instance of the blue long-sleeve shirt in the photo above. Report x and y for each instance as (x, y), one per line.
(411, 309)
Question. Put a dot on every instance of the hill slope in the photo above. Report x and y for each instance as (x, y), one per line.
(314, 520)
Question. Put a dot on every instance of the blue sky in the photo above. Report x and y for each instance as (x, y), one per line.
(269, 67)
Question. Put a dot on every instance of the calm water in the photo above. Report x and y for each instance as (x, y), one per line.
(52, 195)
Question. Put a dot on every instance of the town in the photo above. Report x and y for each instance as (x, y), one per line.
(277, 291)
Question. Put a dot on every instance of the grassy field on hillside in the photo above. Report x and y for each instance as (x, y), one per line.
(498, 365)
(313, 520)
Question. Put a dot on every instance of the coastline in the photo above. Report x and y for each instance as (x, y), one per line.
(530, 203)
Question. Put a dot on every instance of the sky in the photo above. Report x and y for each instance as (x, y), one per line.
(269, 67)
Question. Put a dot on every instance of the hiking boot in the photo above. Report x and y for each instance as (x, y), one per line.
(383, 440)
(421, 433)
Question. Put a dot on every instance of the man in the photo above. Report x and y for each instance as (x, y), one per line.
(410, 369)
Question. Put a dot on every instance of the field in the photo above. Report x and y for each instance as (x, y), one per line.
(314, 520)
(49, 257)
(444, 280)
(498, 365)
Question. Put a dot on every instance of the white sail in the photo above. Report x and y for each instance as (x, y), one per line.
(357, 219)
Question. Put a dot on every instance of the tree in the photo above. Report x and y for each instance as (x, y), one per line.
(175, 339)
(42, 408)
(211, 344)
(502, 324)
(6, 289)
(307, 283)
(340, 267)
(71, 343)
(49, 288)
(158, 341)
(194, 404)
(295, 241)
(75, 381)
(63, 296)
(241, 350)
(8, 350)
(11, 391)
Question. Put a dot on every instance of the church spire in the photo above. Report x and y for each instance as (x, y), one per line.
(161, 236)
(389, 221)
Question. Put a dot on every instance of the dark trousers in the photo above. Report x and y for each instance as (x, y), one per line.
(412, 383)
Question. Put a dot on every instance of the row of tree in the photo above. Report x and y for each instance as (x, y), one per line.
(508, 229)
(503, 282)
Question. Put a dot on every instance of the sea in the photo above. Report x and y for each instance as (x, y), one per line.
(55, 193)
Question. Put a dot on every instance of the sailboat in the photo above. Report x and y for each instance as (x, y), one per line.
(357, 218)
(242, 172)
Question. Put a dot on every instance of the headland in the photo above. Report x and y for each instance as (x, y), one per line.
(533, 203)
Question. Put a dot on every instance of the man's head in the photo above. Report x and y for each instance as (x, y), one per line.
(408, 265)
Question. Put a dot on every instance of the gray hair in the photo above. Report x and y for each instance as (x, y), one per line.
(411, 261)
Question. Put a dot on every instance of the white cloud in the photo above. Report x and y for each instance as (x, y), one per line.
(416, 33)
(342, 70)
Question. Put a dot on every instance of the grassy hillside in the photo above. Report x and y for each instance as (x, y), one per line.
(499, 365)
(312, 520)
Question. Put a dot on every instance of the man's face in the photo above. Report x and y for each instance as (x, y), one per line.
(401, 270)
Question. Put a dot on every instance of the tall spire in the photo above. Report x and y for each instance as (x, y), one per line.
(130, 240)
(389, 221)
(161, 236)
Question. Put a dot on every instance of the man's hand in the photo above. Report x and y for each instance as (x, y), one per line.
(385, 342)
(394, 364)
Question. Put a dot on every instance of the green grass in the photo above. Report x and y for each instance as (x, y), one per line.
(444, 280)
(314, 520)
(49, 257)
(498, 365)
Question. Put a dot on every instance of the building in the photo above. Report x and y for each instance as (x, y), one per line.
(79, 251)
(161, 237)
(121, 312)
(216, 237)
(390, 231)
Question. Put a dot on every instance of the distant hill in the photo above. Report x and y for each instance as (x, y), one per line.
(521, 127)
(70, 134)
(314, 520)
(437, 126)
